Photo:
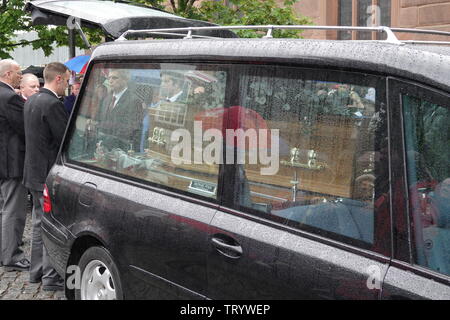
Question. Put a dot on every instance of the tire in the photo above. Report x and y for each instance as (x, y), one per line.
(100, 278)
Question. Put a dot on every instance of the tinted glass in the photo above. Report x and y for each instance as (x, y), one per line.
(140, 121)
(428, 160)
(312, 153)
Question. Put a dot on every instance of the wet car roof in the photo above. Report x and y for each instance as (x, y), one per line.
(427, 64)
(439, 49)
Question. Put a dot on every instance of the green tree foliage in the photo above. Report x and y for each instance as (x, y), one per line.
(183, 7)
(251, 12)
(242, 12)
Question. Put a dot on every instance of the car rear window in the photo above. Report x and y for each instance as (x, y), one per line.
(324, 169)
(307, 147)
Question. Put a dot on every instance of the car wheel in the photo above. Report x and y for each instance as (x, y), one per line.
(99, 276)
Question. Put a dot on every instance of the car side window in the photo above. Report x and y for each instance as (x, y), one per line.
(140, 120)
(427, 138)
(321, 148)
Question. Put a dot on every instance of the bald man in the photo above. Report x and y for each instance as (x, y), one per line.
(29, 85)
(13, 195)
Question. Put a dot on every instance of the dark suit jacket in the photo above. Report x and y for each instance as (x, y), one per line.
(45, 124)
(121, 126)
(69, 101)
(12, 136)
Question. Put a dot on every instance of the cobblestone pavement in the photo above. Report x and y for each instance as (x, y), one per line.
(15, 285)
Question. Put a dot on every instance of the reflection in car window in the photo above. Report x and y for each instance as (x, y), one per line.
(328, 153)
(305, 151)
(428, 161)
(140, 121)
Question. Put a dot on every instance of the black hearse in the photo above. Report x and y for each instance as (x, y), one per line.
(229, 168)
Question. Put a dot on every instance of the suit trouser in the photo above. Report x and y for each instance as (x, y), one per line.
(13, 213)
(40, 267)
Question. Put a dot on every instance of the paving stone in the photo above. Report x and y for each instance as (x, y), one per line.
(10, 296)
(60, 295)
(9, 275)
(31, 288)
(4, 282)
(16, 285)
(14, 292)
(23, 276)
(26, 296)
(45, 295)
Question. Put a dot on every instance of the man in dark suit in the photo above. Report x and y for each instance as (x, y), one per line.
(13, 195)
(121, 115)
(45, 124)
(171, 90)
(69, 101)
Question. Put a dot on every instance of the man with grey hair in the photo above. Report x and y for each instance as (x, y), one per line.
(29, 85)
(121, 114)
(13, 195)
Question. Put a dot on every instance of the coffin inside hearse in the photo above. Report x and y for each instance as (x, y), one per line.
(317, 160)
(324, 167)
(173, 145)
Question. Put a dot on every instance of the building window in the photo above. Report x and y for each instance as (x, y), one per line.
(363, 13)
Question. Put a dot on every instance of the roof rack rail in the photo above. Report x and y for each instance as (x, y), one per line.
(426, 42)
(270, 28)
(187, 32)
(423, 31)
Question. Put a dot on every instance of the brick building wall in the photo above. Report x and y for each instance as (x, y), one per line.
(424, 14)
(322, 12)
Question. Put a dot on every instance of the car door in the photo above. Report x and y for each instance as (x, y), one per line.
(158, 241)
(150, 209)
(311, 218)
(250, 258)
(421, 265)
(162, 240)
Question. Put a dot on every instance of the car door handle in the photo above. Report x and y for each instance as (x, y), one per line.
(87, 194)
(227, 247)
